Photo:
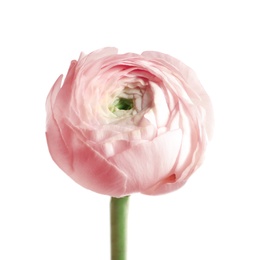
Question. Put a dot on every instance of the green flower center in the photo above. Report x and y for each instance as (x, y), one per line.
(124, 104)
(121, 104)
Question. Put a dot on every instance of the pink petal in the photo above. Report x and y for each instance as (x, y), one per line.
(52, 97)
(83, 164)
(62, 100)
(96, 55)
(148, 163)
(191, 84)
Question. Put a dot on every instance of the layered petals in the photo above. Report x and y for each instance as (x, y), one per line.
(126, 123)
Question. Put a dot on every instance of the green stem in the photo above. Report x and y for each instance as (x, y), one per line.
(118, 222)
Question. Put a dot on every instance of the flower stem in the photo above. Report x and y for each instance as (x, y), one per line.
(118, 222)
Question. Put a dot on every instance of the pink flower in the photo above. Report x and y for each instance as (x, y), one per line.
(125, 123)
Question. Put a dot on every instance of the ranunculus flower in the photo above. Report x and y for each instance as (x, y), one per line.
(125, 123)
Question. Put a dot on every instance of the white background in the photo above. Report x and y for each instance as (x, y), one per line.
(227, 208)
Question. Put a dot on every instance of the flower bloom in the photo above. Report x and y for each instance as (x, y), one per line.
(126, 123)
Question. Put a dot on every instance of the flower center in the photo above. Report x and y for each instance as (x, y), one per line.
(123, 103)
(121, 106)
(127, 102)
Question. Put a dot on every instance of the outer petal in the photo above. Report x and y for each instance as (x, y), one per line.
(84, 165)
(148, 163)
(96, 55)
(165, 186)
(191, 84)
(61, 104)
(51, 98)
(58, 149)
